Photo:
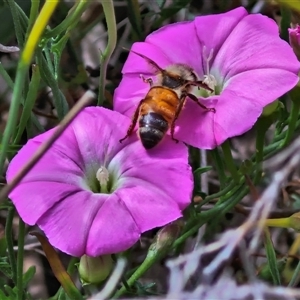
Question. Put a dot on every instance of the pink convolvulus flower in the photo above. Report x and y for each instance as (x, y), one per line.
(237, 54)
(93, 195)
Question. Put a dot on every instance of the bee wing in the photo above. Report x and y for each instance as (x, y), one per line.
(156, 67)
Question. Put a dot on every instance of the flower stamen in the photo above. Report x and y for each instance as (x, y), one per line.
(102, 176)
(209, 79)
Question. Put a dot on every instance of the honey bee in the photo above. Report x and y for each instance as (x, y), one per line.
(161, 107)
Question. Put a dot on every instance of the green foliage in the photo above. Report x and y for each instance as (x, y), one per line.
(271, 256)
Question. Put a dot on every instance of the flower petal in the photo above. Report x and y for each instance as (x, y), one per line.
(213, 30)
(238, 108)
(179, 42)
(53, 165)
(129, 93)
(158, 168)
(195, 126)
(113, 229)
(255, 44)
(68, 223)
(33, 199)
(149, 205)
(96, 137)
(138, 65)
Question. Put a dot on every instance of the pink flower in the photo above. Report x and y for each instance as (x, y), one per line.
(91, 194)
(240, 56)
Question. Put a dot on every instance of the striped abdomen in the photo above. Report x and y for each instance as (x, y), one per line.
(156, 114)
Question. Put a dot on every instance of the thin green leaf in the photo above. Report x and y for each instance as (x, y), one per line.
(34, 122)
(202, 170)
(19, 29)
(5, 267)
(29, 102)
(134, 16)
(3, 296)
(271, 256)
(57, 49)
(59, 99)
(10, 292)
(28, 275)
(6, 77)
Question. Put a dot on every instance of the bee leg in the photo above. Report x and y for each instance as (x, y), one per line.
(177, 113)
(133, 123)
(201, 84)
(194, 98)
(147, 80)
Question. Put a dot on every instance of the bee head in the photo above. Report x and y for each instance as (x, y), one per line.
(177, 76)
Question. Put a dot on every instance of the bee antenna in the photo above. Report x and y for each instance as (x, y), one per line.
(149, 60)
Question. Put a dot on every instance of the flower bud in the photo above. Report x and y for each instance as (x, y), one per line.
(94, 269)
(166, 236)
(265, 272)
(294, 36)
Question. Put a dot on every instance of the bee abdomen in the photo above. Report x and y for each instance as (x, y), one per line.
(152, 128)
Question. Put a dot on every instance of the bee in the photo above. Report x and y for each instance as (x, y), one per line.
(161, 107)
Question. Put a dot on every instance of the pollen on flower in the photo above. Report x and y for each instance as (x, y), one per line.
(102, 175)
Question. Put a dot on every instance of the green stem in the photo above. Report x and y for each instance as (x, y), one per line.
(262, 125)
(229, 161)
(13, 112)
(221, 193)
(220, 167)
(285, 22)
(259, 158)
(10, 243)
(20, 260)
(34, 11)
(294, 116)
(218, 210)
(203, 218)
(152, 257)
(229, 194)
(109, 12)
